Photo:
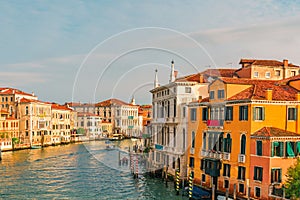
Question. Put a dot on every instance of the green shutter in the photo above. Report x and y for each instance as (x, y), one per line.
(298, 147)
(279, 175)
(229, 145)
(263, 113)
(272, 149)
(281, 149)
(289, 149)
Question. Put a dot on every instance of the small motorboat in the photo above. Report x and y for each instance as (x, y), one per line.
(110, 147)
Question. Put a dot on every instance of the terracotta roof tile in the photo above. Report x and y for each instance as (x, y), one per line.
(273, 63)
(59, 107)
(110, 102)
(14, 91)
(274, 132)
(24, 100)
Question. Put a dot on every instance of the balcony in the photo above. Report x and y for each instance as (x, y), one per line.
(215, 123)
(226, 156)
(216, 155)
(241, 158)
(130, 117)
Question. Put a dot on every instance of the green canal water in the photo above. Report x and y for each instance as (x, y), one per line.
(76, 171)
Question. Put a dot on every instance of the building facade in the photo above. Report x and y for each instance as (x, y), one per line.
(91, 123)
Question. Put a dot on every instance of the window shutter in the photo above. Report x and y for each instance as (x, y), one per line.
(295, 114)
(263, 113)
(281, 148)
(255, 172)
(272, 175)
(240, 113)
(279, 175)
(260, 173)
(246, 113)
(272, 149)
(229, 144)
(225, 144)
(254, 113)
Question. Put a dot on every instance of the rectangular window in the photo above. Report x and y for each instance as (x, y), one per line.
(203, 178)
(292, 113)
(257, 192)
(290, 149)
(241, 188)
(243, 113)
(256, 75)
(221, 94)
(277, 149)
(157, 157)
(204, 114)
(174, 162)
(193, 140)
(183, 112)
(258, 173)
(241, 173)
(191, 162)
(226, 170)
(258, 113)
(193, 114)
(228, 113)
(188, 89)
(226, 183)
(26, 110)
(268, 75)
(277, 72)
(211, 94)
(293, 73)
(259, 148)
(276, 175)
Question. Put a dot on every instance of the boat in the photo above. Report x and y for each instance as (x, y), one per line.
(36, 147)
(116, 137)
(110, 147)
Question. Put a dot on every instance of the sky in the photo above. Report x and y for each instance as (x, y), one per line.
(89, 51)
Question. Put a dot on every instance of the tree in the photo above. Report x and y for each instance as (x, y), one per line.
(80, 131)
(293, 182)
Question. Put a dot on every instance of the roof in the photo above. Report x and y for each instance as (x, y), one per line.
(273, 63)
(111, 102)
(206, 74)
(14, 91)
(81, 114)
(292, 78)
(274, 132)
(60, 107)
(79, 104)
(257, 89)
(24, 100)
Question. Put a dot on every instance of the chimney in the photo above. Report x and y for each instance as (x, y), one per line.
(285, 63)
(298, 96)
(201, 78)
(32, 93)
(172, 74)
(269, 94)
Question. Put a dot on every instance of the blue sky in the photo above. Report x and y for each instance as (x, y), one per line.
(93, 50)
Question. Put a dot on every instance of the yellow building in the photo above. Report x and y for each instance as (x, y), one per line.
(35, 122)
(220, 129)
(62, 116)
(9, 130)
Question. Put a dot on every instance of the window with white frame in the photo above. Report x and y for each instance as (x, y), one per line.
(268, 74)
(256, 75)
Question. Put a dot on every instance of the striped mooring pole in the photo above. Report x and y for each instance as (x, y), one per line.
(191, 186)
(131, 163)
(177, 181)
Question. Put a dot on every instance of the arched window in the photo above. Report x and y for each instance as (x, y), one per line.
(243, 144)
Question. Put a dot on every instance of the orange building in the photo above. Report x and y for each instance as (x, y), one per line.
(9, 130)
(221, 127)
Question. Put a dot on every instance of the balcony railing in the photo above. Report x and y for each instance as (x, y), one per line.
(226, 156)
(217, 155)
(241, 158)
(215, 123)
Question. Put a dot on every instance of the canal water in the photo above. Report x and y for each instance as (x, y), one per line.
(77, 171)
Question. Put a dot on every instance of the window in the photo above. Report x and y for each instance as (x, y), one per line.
(204, 141)
(268, 75)
(258, 113)
(293, 73)
(26, 110)
(227, 144)
(157, 157)
(258, 173)
(243, 113)
(276, 175)
(203, 178)
(191, 162)
(221, 94)
(193, 114)
(204, 114)
(211, 94)
(259, 148)
(292, 113)
(226, 170)
(290, 149)
(188, 89)
(183, 112)
(277, 149)
(241, 188)
(228, 113)
(193, 140)
(226, 183)
(277, 72)
(257, 191)
(243, 144)
(173, 162)
(241, 173)
(256, 75)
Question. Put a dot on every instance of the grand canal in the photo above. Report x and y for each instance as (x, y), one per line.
(76, 171)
